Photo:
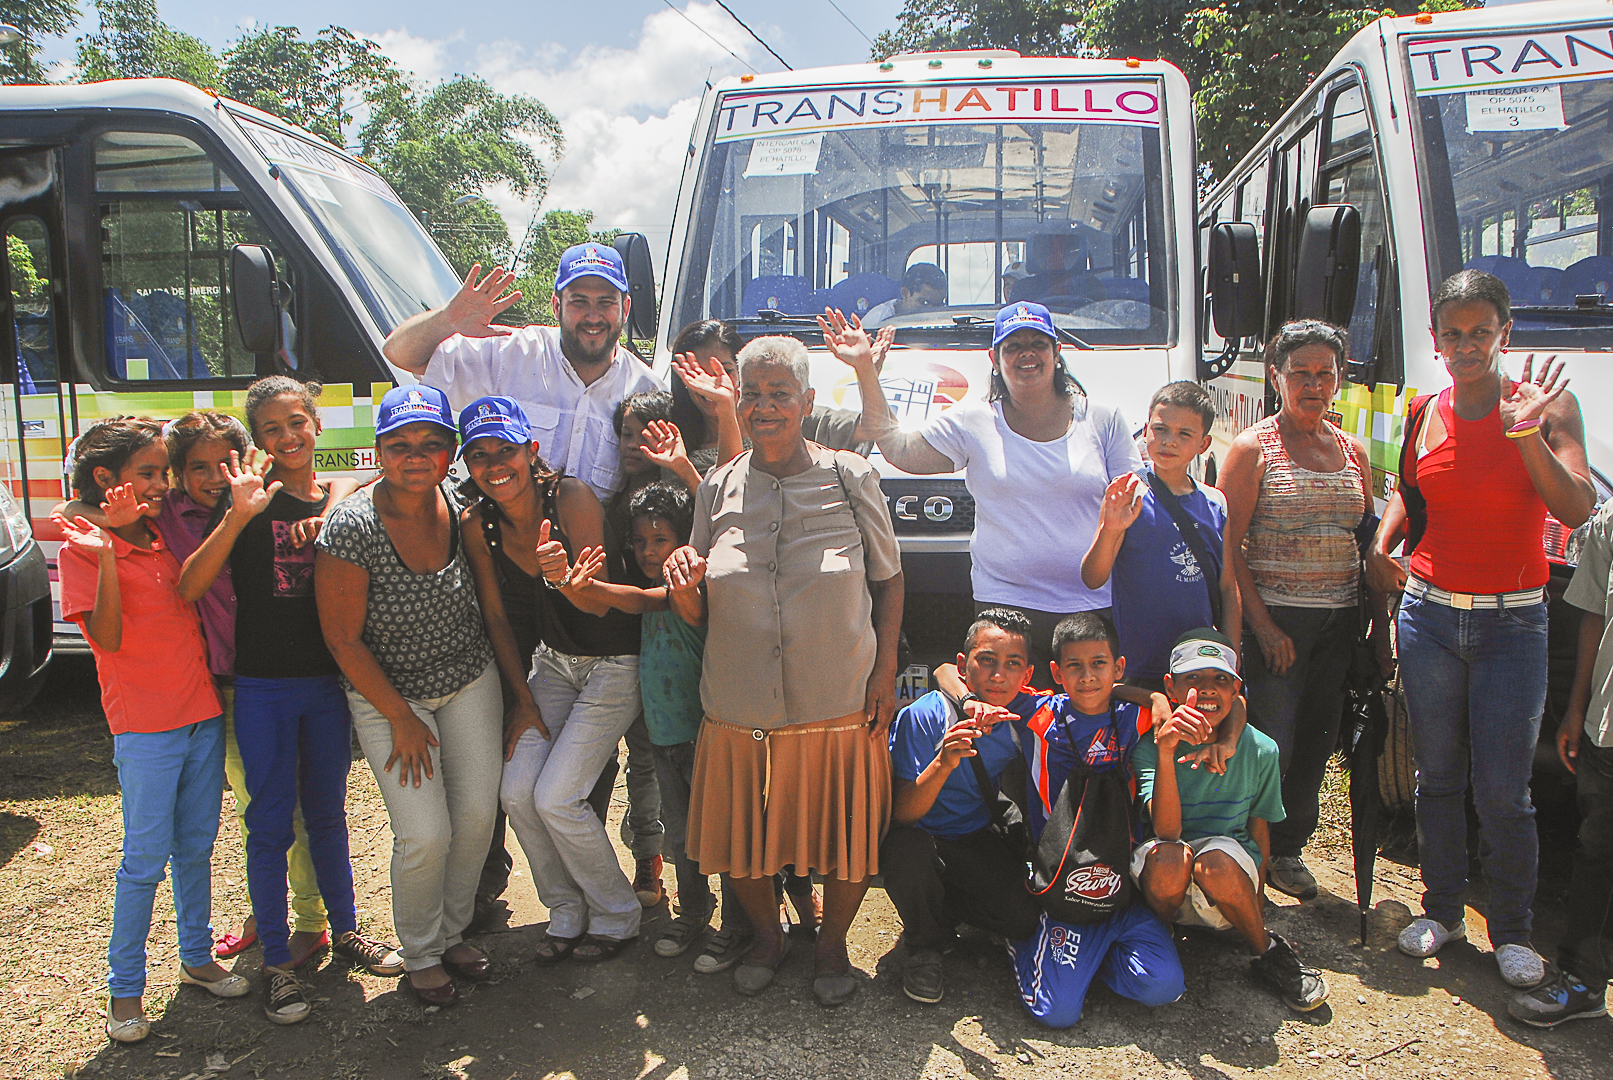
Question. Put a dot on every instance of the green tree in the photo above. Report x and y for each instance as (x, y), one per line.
(438, 146)
(25, 280)
(37, 19)
(546, 240)
(132, 42)
(314, 83)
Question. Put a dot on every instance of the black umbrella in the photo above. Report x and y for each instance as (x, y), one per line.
(1367, 725)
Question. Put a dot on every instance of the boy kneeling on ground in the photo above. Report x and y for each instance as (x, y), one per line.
(1073, 738)
(944, 860)
(1207, 864)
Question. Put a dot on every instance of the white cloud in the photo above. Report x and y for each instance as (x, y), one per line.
(626, 111)
(427, 59)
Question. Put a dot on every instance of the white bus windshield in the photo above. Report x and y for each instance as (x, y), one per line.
(918, 222)
(1515, 152)
(388, 256)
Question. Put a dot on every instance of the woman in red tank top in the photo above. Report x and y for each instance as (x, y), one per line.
(1483, 463)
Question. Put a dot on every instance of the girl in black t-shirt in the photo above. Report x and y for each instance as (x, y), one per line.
(291, 715)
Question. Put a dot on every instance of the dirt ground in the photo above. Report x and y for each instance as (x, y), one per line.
(644, 1017)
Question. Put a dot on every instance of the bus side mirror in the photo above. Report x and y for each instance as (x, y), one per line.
(635, 252)
(1329, 264)
(1237, 294)
(256, 290)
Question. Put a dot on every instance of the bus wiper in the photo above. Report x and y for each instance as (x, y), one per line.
(972, 320)
(775, 317)
(1599, 310)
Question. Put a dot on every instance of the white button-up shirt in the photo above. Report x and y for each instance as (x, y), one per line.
(570, 421)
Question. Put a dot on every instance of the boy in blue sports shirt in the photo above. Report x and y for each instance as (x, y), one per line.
(1160, 587)
(1207, 863)
(942, 860)
(1131, 951)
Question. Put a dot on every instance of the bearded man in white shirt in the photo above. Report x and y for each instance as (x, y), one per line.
(569, 378)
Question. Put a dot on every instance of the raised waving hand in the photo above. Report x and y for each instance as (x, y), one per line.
(1528, 398)
(478, 302)
(247, 490)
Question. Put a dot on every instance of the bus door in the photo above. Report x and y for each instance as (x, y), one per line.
(36, 334)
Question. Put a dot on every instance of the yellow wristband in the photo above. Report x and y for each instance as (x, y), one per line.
(1517, 434)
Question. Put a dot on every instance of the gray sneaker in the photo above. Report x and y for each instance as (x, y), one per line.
(723, 950)
(1288, 874)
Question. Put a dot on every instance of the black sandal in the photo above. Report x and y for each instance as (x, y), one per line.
(552, 949)
(601, 948)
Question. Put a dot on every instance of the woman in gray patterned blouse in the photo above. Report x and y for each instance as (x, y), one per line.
(398, 607)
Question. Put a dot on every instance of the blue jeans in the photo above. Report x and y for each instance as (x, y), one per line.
(1475, 688)
(295, 737)
(1301, 710)
(1131, 951)
(587, 703)
(173, 787)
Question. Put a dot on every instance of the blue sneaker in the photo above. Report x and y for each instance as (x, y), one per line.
(1557, 1000)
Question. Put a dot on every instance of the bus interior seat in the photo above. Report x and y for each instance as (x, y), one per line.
(791, 295)
(1588, 276)
(859, 293)
(1525, 284)
(1552, 286)
(1058, 278)
(152, 327)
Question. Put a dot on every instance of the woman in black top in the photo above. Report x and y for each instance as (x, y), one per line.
(582, 693)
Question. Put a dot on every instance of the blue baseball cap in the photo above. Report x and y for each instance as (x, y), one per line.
(591, 260)
(413, 404)
(494, 417)
(1023, 316)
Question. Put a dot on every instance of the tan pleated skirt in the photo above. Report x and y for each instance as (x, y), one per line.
(813, 796)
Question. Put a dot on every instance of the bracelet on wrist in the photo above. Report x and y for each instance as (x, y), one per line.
(1523, 430)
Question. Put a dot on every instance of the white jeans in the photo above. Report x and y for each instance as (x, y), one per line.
(441, 829)
(587, 703)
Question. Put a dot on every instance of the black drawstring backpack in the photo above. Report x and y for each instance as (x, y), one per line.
(1080, 869)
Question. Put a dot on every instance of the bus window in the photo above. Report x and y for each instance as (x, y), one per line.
(169, 217)
(33, 318)
(1350, 175)
(1292, 199)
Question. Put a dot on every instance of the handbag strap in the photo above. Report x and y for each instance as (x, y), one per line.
(1189, 529)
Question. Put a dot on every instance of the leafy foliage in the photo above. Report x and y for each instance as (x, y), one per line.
(132, 42)
(455, 140)
(37, 19)
(314, 83)
(25, 280)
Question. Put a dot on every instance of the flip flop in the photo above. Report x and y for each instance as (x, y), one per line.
(559, 948)
(601, 948)
(234, 944)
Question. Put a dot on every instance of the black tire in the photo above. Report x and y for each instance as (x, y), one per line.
(1397, 776)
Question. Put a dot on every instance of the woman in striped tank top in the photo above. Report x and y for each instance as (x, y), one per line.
(1296, 489)
(1484, 462)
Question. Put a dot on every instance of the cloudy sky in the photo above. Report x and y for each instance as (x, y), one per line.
(624, 76)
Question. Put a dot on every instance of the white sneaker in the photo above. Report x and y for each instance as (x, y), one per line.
(1425, 937)
(1521, 966)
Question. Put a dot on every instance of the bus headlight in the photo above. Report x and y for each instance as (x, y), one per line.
(17, 532)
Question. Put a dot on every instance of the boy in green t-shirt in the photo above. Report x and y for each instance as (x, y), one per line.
(1206, 865)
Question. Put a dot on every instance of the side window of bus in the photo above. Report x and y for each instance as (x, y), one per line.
(1350, 175)
(1213, 342)
(169, 217)
(1252, 205)
(1292, 195)
(33, 318)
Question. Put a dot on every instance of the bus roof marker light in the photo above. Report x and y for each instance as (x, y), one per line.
(935, 63)
(747, 78)
(1423, 18)
(1132, 61)
(984, 61)
(886, 65)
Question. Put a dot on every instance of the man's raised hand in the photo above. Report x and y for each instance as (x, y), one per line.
(478, 302)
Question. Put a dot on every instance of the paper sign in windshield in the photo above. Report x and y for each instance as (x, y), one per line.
(754, 114)
(1491, 61)
(796, 156)
(284, 149)
(1516, 108)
